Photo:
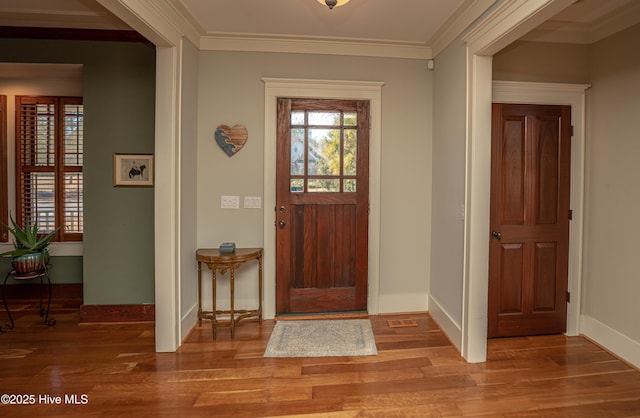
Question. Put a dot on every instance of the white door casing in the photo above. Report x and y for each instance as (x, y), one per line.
(320, 89)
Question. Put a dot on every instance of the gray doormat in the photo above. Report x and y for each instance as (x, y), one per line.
(322, 338)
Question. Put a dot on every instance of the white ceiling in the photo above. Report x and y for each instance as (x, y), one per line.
(588, 21)
(401, 21)
(397, 20)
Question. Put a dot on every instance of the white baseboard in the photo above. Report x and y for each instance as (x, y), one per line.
(446, 323)
(189, 321)
(614, 341)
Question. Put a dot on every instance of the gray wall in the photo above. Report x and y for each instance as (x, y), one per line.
(611, 282)
(119, 100)
(449, 141)
(231, 91)
(542, 62)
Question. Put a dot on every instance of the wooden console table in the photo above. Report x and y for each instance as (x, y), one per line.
(218, 262)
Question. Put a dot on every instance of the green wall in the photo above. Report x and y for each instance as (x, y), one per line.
(119, 100)
(66, 270)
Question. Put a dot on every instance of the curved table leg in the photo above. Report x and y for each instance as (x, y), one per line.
(49, 322)
(214, 322)
(232, 318)
(6, 327)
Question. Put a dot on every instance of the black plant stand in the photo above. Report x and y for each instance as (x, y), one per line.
(30, 276)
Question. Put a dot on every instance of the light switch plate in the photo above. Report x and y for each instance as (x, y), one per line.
(230, 202)
(252, 202)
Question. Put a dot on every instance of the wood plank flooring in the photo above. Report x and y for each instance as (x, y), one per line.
(111, 370)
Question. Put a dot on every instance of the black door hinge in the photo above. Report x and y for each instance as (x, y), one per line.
(568, 297)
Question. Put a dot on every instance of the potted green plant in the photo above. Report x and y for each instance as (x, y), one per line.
(30, 248)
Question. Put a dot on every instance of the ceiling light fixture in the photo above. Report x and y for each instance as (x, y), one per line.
(333, 3)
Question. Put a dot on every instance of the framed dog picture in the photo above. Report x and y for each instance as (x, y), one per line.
(133, 170)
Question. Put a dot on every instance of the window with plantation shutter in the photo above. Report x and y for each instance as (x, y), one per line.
(49, 159)
(4, 197)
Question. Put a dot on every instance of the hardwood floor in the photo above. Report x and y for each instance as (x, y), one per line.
(111, 370)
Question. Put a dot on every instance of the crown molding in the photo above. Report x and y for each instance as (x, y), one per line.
(464, 16)
(142, 17)
(188, 25)
(585, 33)
(163, 22)
(507, 89)
(498, 29)
(616, 23)
(314, 45)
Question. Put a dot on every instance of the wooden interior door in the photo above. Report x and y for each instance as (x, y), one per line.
(530, 213)
(322, 196)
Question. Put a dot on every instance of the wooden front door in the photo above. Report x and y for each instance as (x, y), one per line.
(322, 198)
(530, 198)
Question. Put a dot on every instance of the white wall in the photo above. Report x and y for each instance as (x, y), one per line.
(447, 254)
(231, 92)
(612, 225)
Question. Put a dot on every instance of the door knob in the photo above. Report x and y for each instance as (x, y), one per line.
(497, 235)
(282, 223)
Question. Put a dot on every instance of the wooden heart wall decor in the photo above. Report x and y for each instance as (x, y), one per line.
(231, 139)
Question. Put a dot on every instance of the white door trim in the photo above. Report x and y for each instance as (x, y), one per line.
(503, 25)
(320, 89)
(574, 96)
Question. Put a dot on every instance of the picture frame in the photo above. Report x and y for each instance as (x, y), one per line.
(133, 170)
